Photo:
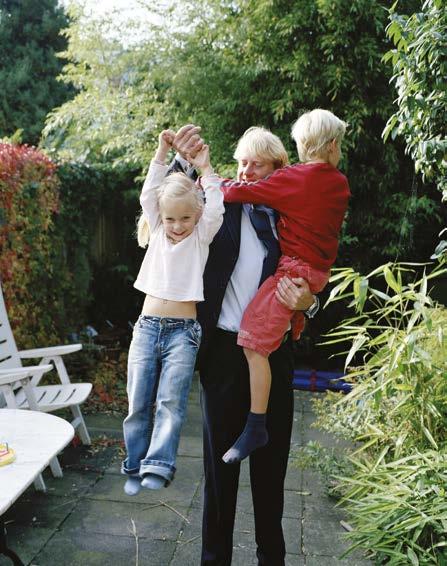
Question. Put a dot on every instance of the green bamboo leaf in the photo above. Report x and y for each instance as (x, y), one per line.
(363, 292)
(437, 274)
(356, 346)
(377, 270)
(379, 294)
(423, 288)
(412, 556)
(399, 279)
(390, 279)
(429, 437)
(364, 446)
(338, 289)
(344, 273)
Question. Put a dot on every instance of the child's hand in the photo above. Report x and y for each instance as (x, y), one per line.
(165, 139)
(202, 160)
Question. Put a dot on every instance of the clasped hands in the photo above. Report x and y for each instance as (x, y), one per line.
(189, 144)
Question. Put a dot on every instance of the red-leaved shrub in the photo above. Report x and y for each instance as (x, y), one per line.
(29, 198)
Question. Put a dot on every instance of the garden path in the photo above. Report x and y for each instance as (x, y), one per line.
(85, 519)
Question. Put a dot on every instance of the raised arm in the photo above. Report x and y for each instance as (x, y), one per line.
(157, 172)
(212, 216)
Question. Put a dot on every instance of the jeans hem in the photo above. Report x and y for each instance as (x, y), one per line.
(129, 472)
(159, 470)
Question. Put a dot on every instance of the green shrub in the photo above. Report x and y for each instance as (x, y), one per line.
(49, 217)
(397, 411)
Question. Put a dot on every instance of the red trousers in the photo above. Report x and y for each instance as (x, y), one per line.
(266, 320)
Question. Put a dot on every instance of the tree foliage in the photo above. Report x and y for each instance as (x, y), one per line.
(420, 75)
(394, 488)
(29, 198)
(230, 65)
(49, 217)
(29, 41)
(112, 117)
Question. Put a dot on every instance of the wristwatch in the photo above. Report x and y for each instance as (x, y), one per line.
(313, 309)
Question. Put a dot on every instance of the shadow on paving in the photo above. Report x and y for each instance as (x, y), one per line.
(85, 519)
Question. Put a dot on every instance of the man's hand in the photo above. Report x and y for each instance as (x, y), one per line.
(187, 141)
(294, 293)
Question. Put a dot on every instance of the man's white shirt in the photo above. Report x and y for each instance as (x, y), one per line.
(244, 281)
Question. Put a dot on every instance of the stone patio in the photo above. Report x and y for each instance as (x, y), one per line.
(85, 519)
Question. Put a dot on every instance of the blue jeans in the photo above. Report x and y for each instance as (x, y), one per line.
(160, 368)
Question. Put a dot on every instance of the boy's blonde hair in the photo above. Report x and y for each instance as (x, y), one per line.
(314, 131)
(260, 142)
(175, 186)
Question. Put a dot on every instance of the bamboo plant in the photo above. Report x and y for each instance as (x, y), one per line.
(396, 413)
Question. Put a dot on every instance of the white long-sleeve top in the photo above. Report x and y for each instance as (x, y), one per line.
(175, 271)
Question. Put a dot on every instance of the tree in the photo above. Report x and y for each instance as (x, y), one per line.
(273, 59)
(112, 118)
(420, 70)
(29, 41)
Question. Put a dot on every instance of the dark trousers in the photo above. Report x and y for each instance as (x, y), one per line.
(225, 399)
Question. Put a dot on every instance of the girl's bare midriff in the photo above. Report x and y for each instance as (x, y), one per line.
(154, 306)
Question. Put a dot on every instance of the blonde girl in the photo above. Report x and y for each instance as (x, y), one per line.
(177, 224)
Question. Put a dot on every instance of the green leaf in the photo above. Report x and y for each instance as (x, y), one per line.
(429, 437)
(360, 292)
(391, 281)
(412, 556)
(356, 346)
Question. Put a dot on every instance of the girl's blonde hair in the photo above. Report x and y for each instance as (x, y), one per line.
(260, 142)
(175, 186)
(143, 232)
(314, 131)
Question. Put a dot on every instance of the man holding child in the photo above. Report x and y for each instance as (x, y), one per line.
(243, 254)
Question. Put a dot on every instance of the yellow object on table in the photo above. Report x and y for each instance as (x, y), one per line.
(7, 454)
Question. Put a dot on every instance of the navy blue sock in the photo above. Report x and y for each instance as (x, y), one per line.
(253, 436)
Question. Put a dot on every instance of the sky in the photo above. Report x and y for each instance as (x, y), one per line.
(138, 11)
(123, 10)
(127, 8)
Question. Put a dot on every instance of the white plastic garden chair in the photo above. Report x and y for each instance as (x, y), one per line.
(20, 384)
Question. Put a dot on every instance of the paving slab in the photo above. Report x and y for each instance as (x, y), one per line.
(26, 541)
(75, 548)
(180, 491)
(326, 560)
(153, 520)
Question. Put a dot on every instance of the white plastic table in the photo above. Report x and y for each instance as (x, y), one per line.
(36, 438)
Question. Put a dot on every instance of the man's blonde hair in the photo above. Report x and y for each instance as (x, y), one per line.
(260, 142)
(175, 186)
(314, 131)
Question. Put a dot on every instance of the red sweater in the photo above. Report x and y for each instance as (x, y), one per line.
(311, 200)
